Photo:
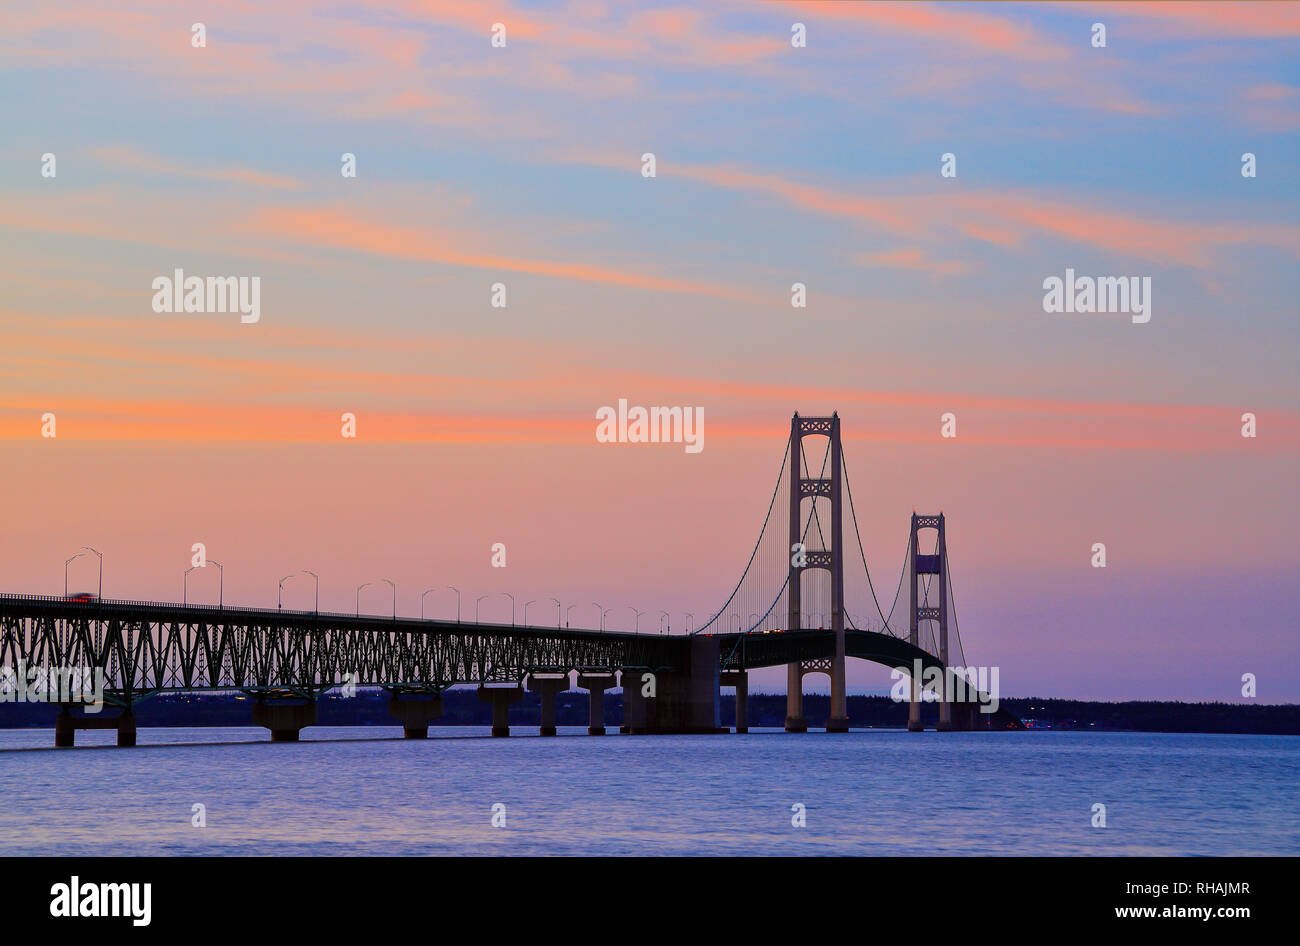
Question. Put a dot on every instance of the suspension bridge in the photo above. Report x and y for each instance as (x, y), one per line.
(791, 606)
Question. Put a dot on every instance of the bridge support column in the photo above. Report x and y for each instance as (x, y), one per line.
(839, 718)
(501, 698)
(66, 726)
(945, 698)
(597, 684)
(285, 720)
(915, 690)
(914, 723)
(794, 720)
(740, 680)
(547, 687)
(685, 698)
(631, 679)
(415, 713)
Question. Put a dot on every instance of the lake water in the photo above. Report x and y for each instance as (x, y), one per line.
(367, 791)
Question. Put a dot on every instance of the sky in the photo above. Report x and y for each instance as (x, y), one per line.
(523, 165)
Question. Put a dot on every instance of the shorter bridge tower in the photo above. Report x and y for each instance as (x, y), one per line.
(919, 566)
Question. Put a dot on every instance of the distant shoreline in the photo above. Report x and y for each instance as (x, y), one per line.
(461, 707)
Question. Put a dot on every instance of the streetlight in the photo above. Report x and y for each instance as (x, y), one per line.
(65, 571)
(557, 612)
(690, 622)
(393, 585)
(87, 548)
(367, 585)
(305, 571)
(566, 614)
(422, 594)
(185, 582)
(476, 601)
(315, 601)
(637, 626)
(457, 590)
(602, 614)
(84, 550)
(526, 604)
(279, 591)
(512, 608)
(665, 616)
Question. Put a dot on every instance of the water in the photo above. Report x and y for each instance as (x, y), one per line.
(363, 791)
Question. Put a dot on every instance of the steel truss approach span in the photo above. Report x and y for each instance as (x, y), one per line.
(146, 648)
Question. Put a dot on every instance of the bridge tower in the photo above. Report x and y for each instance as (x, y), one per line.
(919, 566)
(832, 560)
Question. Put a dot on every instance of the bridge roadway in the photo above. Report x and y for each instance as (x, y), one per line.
(285, 659)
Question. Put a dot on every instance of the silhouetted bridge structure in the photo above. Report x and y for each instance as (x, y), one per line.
(286, 659)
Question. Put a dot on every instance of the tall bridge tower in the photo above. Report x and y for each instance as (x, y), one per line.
(922, 572)
(830, 560)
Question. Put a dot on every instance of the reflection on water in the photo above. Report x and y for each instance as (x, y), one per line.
(367, 791)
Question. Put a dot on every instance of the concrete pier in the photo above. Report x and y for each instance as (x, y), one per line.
(597, 683)
(686, 698)
(914, 723)
(740, 680)
(415, 713)
(633, 701)
(66, 726)
(501, 697)
(285, 720)
(965, 716)
(945, 698)
(547, 687)
(794, 719)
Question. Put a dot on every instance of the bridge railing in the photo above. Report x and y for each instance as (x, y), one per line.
(378, 621)
(136, 603)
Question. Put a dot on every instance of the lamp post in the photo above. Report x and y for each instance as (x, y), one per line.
(476, 601)
(558, 606)
(422, 594)
(315, 599)
(83, 551)
(636, 628)
(665, 616)
(457, 590)
(690, 622)
(393, 585)
(602, 614)
(526, 604)
(512, 607)
(185, 582)
(65, 571)
(279, 591)
(390, 583)
(566, 614)
(100, 593)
